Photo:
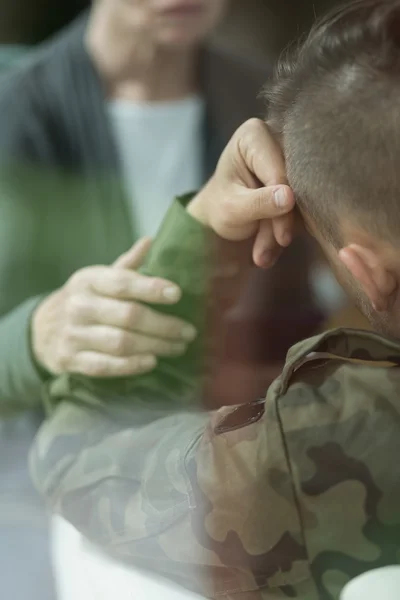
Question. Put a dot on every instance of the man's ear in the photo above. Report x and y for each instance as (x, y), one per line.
(371, 273)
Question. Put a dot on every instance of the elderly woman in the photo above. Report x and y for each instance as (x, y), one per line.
(100, 130)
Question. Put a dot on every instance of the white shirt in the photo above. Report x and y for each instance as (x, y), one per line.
(160, 147)
(161, 154)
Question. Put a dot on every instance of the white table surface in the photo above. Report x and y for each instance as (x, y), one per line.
(83, 573)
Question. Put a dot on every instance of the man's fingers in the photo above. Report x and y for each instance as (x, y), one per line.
(266, 250)
(94, 364)
(273, 235)
(251, 206)
(123, 343)
(284, 229)
(270, 202)
(261, 153)
(134, 258)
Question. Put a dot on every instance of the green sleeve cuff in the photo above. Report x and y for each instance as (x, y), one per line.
(181, 250)
(21, 379)
(181, 253)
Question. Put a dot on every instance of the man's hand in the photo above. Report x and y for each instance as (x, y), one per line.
(247, 196)
(96, 325)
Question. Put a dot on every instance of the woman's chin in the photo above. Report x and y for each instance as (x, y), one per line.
(181, 38)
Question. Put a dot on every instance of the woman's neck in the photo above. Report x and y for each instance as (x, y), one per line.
(133, 69)
(162, 80)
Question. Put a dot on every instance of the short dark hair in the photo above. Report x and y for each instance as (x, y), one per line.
(335, 104)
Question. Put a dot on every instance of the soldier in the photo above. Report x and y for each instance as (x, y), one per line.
(295, 494)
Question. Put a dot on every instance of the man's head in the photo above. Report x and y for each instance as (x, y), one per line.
(336, 107)
(170, 23)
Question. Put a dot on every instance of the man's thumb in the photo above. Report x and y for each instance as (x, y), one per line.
(271, 202)
(134, 258)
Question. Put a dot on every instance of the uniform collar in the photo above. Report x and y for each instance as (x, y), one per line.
(350, 345)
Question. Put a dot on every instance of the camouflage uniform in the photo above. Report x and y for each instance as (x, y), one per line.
(287, 497)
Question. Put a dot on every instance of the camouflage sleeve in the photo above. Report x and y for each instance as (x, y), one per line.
(205, 499)
(118, 475)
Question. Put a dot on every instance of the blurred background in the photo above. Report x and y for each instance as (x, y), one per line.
(256, 29)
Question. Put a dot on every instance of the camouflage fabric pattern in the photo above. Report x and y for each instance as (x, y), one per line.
(288, 497)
